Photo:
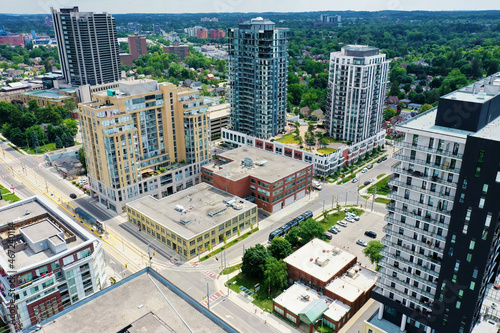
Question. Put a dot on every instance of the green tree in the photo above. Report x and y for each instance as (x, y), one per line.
(34, 140)
(389, 113)
(275, 273)
(59, 143)
(17, 137)
(71, 125)
(81, 157)
(310, 229)
(394, 89)
(28, 120)
(372, 251)
(293, 236)
(253, 261)
(280, 248)
(424, 108)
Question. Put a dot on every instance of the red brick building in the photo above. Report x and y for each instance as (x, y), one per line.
(137, 46)
(16, 40)
(217, 33)
(260, 176)
(202, 33)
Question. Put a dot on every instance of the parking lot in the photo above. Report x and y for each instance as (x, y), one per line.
(347, 238)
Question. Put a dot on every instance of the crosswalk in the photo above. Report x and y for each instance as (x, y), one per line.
(215, 296)
(211, 274)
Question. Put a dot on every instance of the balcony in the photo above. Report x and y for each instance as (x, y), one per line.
(408, 172)
(390, 219)
(393, 181)
(393, 195)
(428, 245)
(406, 248)
(427, 149)
(404, 283)
(425, 267)
(413, 214)
(442, 166)
(418, 302)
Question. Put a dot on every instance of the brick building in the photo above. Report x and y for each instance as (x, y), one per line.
(182, 51)
(203, 33)
(137, 46)
(259, 176)
(217, 33)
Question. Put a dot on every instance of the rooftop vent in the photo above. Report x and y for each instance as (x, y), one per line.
(184, 222)
(247, 163)
(261, 163)
(304, 297)
(212, 214)
(321, 263)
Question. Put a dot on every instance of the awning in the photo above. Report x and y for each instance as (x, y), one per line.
(313, 311)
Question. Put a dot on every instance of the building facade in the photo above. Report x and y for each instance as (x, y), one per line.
(50, 264)
(259, 176)
(356, 92)
(194, 220)
(143, 138)
(324, 165)
(182, 51)
(137, 46)
(87, 46)
(258, 62)
(217, 33)
(441, 244)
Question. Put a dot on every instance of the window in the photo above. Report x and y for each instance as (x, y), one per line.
(68, 260)
(481, 156)
(415, 139)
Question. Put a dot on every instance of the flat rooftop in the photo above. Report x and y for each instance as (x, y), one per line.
(426, 122)
(50, 93)
(272, 171)
(491, 131)
(33, 215)
(383, 324)
(195, 203)
(351, 287)
(138, 301)
(310, 257)
(337, 310)
(39, 231)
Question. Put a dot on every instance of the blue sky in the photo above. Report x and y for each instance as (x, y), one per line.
(220, 6)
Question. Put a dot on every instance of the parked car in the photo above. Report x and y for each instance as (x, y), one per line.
(380, 160)
(367, 182)
(364, 170)
(369, 166)
(353, 217)
(355, 180)
(336, 228)
(342, 223)
(317, 187)
(333, 230)
(362, 243)
(72, 196)
(328, 236)
(384, 158)
(371, 180)
(370, 234)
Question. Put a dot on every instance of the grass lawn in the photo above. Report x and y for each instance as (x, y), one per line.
(365, 197)
(231, 269)
(331, 220)
(356, 211)
(231, 243)
(382, 187)
(42, 149)
(7, 195)
(382, 200)
(326, 151)
(381, 175)
(288, 138)
(261, 298)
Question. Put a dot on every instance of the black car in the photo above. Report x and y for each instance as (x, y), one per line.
(328, 236)
(367, 182)
(369, 166)
(384, 158)
(370, 234)
(380, 160)
(72, 196)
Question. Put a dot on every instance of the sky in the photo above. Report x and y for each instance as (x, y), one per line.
(223, 6)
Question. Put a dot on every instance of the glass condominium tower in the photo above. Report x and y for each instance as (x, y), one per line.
(258, 62)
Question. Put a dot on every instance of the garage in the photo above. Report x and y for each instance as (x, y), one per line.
(289, 200)
(301, 194)
(277, 207)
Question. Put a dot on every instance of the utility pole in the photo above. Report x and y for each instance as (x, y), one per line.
(374, 194)
(208, 297)
(149, 256)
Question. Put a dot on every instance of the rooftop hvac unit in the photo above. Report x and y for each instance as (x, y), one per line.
(304, 297)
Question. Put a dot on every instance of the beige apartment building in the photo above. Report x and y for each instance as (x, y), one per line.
(143, 138)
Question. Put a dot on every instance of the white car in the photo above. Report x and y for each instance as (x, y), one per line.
(362, 243)
(364, 170)
(355, 180)
(372, 180)
(342, 223)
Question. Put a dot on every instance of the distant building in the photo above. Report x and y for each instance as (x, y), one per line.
(219, 118)
(258, 80)
(57, 263)
(217, 33)
(192, 32)
(356, 92)
(259, 176)
(330, 18)
(194, 220)
(182, 51)
(87, 45)
(137, 46)
(202, 33)
(15, 40)
(208, 19)
(156, 29)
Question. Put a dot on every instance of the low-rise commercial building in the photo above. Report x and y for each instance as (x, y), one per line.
(219, 118)
(194, 220)
(317, 263)
(260, 176)
(47, 262)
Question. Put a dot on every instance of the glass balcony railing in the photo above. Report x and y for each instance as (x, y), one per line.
(441, 152)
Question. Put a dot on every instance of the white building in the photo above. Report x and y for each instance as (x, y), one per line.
(356, 92)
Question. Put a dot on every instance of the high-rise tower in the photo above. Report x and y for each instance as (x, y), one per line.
(258, 62)
(356, 92)
(87, 45)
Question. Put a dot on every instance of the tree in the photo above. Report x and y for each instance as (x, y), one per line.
(28, 120)
(81, 157)
(310, 229)
(71, 125)
(254, 260)
(424, 108)
(275, 273)
(389, 113)
(280, 248)
(34, 139)
(293, 236)
(17, 137)
(372, 251)
(59, 143)
(395, 89)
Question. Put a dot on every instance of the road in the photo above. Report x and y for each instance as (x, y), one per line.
(126, 245)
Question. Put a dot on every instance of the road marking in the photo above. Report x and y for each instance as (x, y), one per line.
(211, 274)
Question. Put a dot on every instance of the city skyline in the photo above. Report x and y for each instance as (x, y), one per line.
(238, 6)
